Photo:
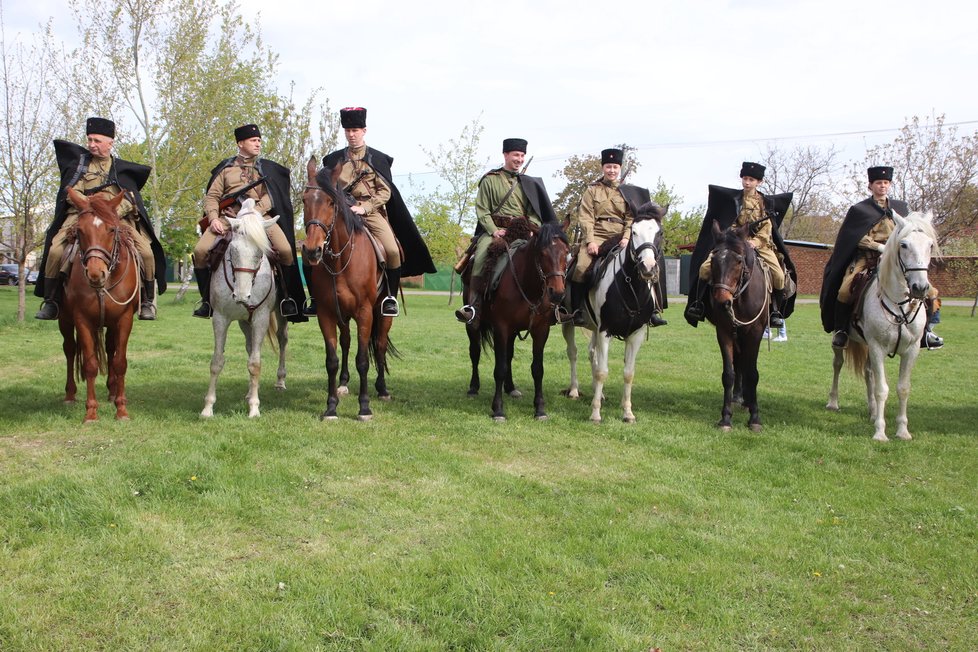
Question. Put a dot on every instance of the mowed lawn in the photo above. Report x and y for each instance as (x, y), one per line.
(433, 528)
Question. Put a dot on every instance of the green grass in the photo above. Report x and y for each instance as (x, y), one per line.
(433, 528)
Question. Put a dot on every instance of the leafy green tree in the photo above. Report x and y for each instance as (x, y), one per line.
(678, 228)
(459, 167)
(435, 220)
(579, 172)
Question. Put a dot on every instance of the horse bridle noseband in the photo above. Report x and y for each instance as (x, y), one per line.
(328, 232)
(746, 275)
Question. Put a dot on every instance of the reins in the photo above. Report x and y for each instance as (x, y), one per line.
(111, 260)
(746, 276)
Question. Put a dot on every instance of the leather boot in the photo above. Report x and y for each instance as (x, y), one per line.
(471, 313)
(287, 306)
(52, 291)
(203, 275)
(777, 298)
(843, 313)
(388, 307)
(578, 292)
(657, 320)
(147, 310)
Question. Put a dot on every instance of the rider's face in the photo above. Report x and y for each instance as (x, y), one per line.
(611, 171)
(750, 184)
(355, 137)
(880, 188)
(513, 160)
(250, 147)
(99, 145)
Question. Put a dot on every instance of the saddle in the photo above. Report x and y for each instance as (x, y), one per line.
(215, 255)
(518, 233)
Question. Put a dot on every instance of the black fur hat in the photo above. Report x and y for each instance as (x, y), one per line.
(353, 117)
(881, 172)
(612, 156)
(514, 145)
(100, 126)
(244, 132)
(753, 170)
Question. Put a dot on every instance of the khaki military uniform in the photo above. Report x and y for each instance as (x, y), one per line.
(603, 214)
(867, 253)
(751, 211)
(493, 187)
(95, 176)
(232, 178)
(372, 194)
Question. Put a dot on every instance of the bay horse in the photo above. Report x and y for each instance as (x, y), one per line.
(243, 290)
(530, 288)
(101, 298)
(618, 305)
(345, 282)
(890, 320)
(738, 307)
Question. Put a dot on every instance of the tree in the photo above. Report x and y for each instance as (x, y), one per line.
(27, 166)
(807, 173)
(934, 169)
(678, 229)
(436, 222)
(579, 171)
(458, 165)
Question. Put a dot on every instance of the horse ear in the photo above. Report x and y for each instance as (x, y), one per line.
(717, 231)
(235, 223)
(335, 175)
(270, 222)
(929, 217)
(245, 206)
(311, 169)
(898, 220)
(77, 199)
(115, 201)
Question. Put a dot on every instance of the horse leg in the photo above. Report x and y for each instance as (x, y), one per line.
(475, 353)
(328, 327)
(343, 386)
(569, 331)
(380, 356)
(259, 326)
(89, 355)
(69, 347)
(540, 335)
(738, 389)
(111, 382)
(880, 390)
(632, 346)
(907, 361)
(500, 372)
(221, 325)
(727, 377)
(599, 371)
(837, 360)
(509, 385)
(119, 364)
(283, 343)
(364, 328)
(747, 363)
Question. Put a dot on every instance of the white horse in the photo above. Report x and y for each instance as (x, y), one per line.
(618, 305)
(892, 320)
(244, 290)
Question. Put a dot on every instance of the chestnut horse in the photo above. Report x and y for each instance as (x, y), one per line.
(530, 289)
(738, 308)
(101, 298)
(344, 281)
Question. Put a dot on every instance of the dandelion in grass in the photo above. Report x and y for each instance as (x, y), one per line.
(816, 573)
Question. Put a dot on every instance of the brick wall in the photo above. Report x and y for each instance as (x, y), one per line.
(954, 276)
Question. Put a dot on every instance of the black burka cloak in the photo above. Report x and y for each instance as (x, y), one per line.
(73, 161)
(859, 219)
(279, 187)
(417, 258)
(724, 205)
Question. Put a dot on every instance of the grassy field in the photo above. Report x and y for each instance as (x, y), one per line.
(433, 528)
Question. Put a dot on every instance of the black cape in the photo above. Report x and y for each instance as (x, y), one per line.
(279, 186)
(417, 258)
(724, 206)
(73, 161)
(535, 192)
(859, 220)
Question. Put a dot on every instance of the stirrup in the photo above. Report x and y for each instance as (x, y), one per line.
(288, 308)
(563, 317)
(776, 320)
(465, 314)
(309, 307)
(43, 312)
(147, 312)
(696, 310)
(388, 307)
(203, 310)
(933, 341)
(840, 339)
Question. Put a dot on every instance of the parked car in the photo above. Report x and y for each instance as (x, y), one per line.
(32, 277)
(8, 274)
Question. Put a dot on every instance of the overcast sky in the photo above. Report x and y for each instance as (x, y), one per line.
(698, 87)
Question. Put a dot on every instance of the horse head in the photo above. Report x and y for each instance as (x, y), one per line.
(249, 243)
(321, 204)
(733, 261)
(907, 253)
(552, 252)
(99, 234)
(646, 240)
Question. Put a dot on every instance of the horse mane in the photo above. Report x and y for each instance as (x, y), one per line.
(352, 221)
(100, 206)
(650, 211)
(915, 221)
(253, 228)
(548, 232)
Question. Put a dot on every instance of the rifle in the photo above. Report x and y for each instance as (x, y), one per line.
(350, 199)
(228, 201)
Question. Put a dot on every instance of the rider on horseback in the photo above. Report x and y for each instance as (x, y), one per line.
(503, 193)
(94, 171)
(267, 183)
(606, 210)
(763, 213)
(865, 229)
(365, 178)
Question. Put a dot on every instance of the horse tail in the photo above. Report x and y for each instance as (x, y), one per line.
(372, 345)
(272, 333)
(856, 356)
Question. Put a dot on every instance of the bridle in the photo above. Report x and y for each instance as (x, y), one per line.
(544, 278)
(746, 275)
(908, 307)
(111, 260)
(327, 245)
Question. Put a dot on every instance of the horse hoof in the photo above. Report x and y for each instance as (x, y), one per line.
(342, 390)
(541, 417)
(206, 414)
(68, 401)
(725, 428)
(472, 393)
(833, 407)
(328, 417)
(880, 437)
(755, 427)
(596, 421)
(516, 394)
(385, 397)
(499, 419)
(364, 417)
(280, 387)
(124, 417)
(628, 419)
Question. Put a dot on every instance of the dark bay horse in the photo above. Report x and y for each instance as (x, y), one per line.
(101, 298)
(530, 289)
(738, 308)
(344, 282)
